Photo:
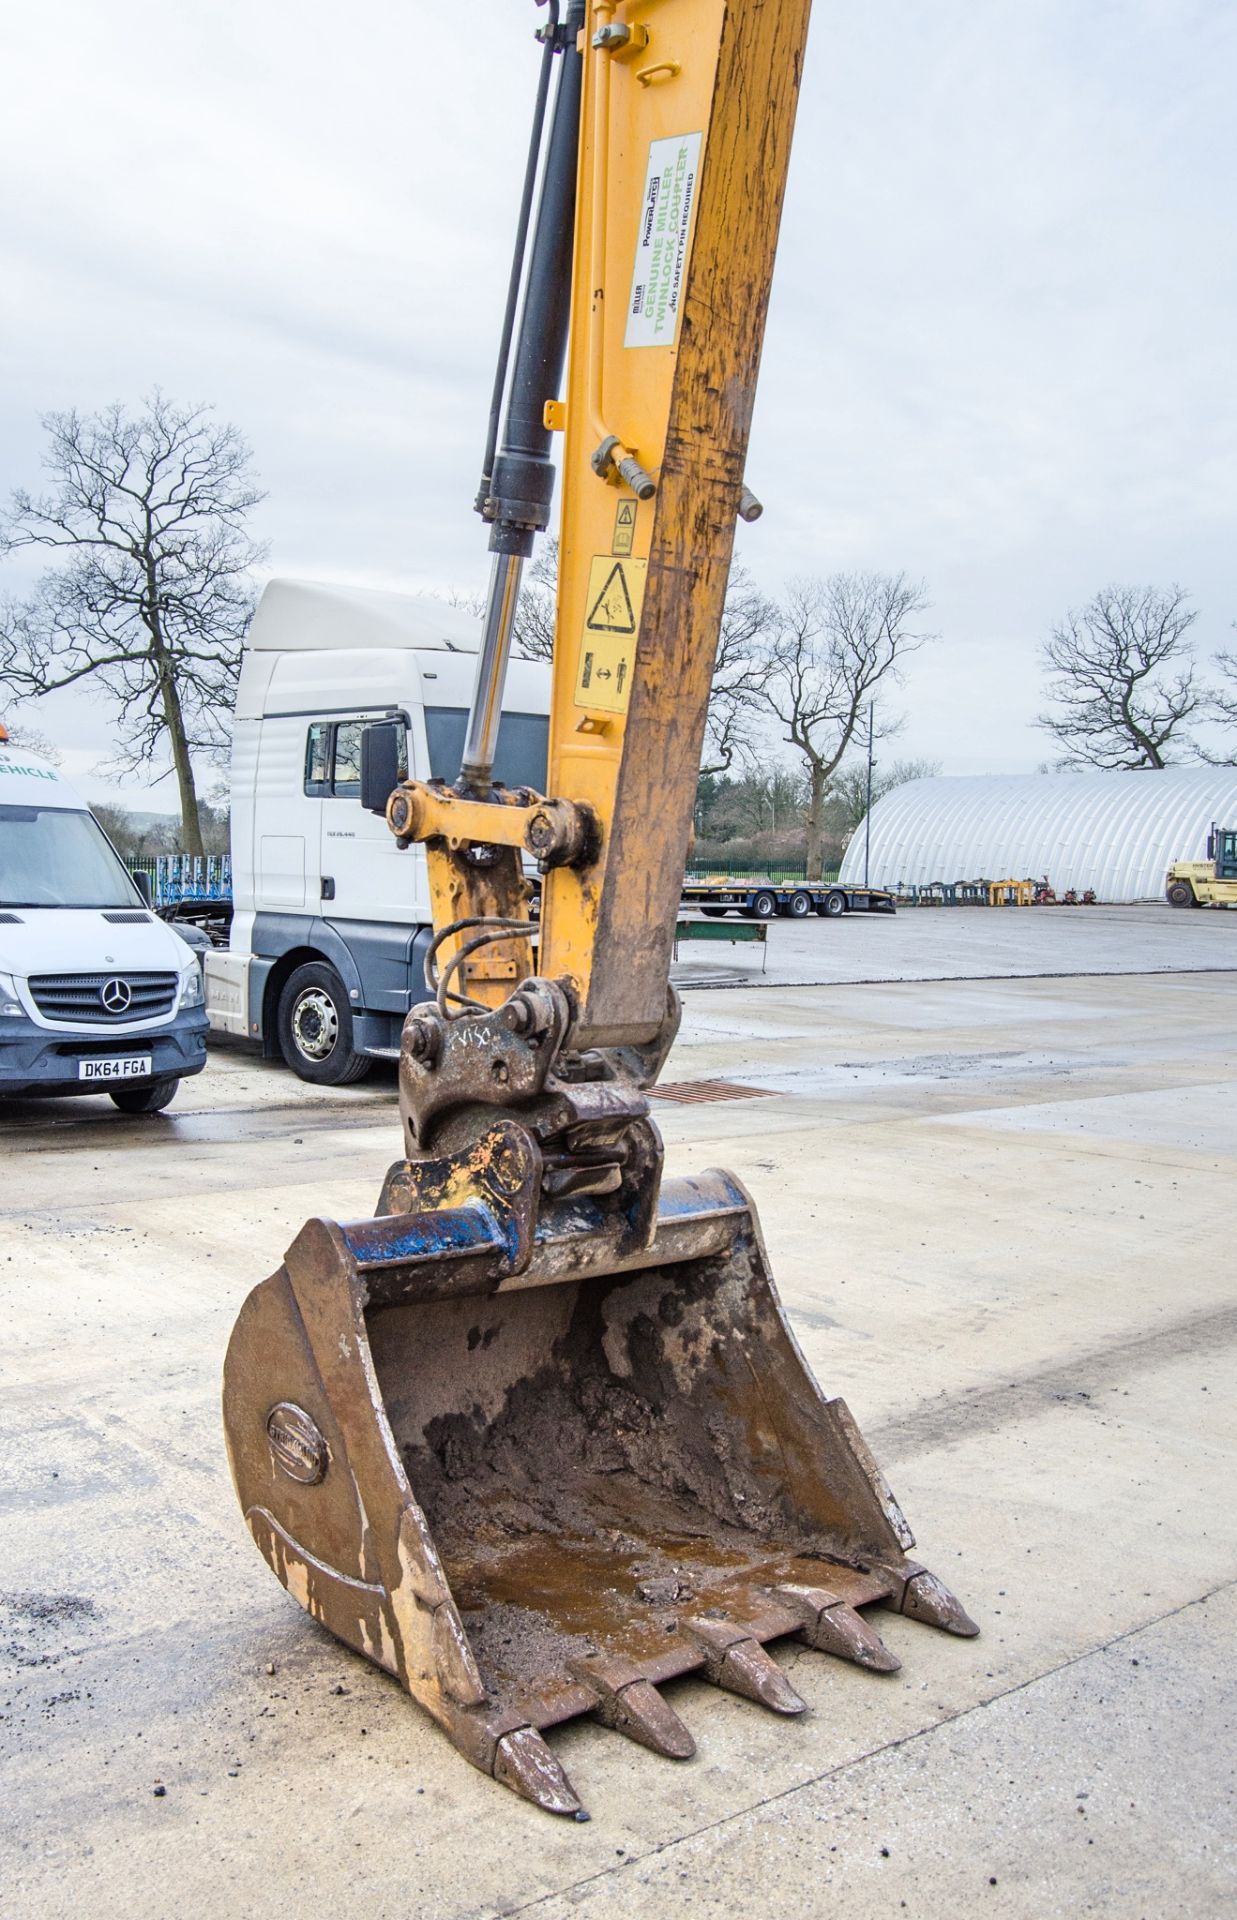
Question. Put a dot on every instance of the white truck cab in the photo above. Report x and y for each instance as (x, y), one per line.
(97, 995)
(331, 918)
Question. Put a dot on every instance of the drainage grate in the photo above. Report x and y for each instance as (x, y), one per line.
(691, 1093)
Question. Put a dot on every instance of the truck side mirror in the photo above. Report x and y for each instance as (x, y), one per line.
(141, 881)
(382, 746)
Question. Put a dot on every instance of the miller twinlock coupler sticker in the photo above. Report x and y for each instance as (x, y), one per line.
(666, 216)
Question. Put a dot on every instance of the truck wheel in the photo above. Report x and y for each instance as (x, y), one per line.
(800, 904)
(764, 904)
(315, 1028)
(835, 904)
(1181, 894)
(150, 1099)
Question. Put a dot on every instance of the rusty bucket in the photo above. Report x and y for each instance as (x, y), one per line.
(536, 1462)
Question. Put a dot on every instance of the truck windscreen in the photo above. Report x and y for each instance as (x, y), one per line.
(56, 857)
(523, 746)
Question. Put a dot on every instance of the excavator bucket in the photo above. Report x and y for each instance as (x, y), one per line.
(536, 1457)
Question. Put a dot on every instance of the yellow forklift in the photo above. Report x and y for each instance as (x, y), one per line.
(1207, 883)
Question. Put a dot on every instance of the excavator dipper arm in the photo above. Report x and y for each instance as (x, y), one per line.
(537, 1438)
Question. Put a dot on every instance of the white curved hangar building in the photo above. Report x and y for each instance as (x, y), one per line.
(1116, 832)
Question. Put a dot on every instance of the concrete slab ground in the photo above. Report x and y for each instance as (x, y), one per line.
(999, 1212)
(946, 943)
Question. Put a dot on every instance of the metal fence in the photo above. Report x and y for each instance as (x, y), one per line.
(732, 870)
(185, 876)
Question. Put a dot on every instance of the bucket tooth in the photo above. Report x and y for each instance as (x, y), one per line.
(640, 1712)
(926, 1598)
(737, 1662)
(631, 1705)
(831, 1626)
(843, 1631)
(749, 1670)
(523, 1762)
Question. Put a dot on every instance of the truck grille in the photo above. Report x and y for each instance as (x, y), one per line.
(103, 999)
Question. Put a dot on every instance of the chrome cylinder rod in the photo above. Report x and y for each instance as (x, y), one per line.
(481, 740)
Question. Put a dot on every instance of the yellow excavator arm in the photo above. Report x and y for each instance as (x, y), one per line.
(687, 110)
(537, 1438)
(686, 139)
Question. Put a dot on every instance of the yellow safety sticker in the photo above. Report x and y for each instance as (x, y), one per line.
(624, 527)
(611, 622)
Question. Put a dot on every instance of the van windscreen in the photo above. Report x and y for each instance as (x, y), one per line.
(56, 857)
(523, 746)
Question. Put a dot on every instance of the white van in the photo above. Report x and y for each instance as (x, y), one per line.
(330, 918)
(97, 995)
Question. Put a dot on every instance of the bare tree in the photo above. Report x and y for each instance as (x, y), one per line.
(848, 790)
(1121, 676)
(119, 826)
(151, 594)
(32, 741)
(759, 799)
(535, 616)
(747, 619)
(835, 642)
(533, 633)
(1221, 706)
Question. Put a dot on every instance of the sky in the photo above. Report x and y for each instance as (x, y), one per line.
(999, 353)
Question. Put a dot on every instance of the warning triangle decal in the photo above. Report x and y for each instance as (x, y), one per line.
(612, 610)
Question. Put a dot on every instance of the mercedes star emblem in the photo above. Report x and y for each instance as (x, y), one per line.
(115, 995)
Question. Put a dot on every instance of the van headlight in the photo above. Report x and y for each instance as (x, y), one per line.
(9, 1002)
(191, 990)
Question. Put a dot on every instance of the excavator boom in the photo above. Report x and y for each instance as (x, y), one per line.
(537, 1438)
(683, 167)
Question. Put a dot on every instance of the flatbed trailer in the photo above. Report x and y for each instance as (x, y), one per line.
(758, 899)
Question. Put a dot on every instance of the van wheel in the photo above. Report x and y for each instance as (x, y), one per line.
(1181, 894)
(149, 1099)
(315, 1028)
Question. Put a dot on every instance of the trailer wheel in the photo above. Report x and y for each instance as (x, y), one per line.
(800, 904)
(713, 913)
(149, 1099)
(1181, 894)
(315, 1028)
(764, 904)
(835, 904)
